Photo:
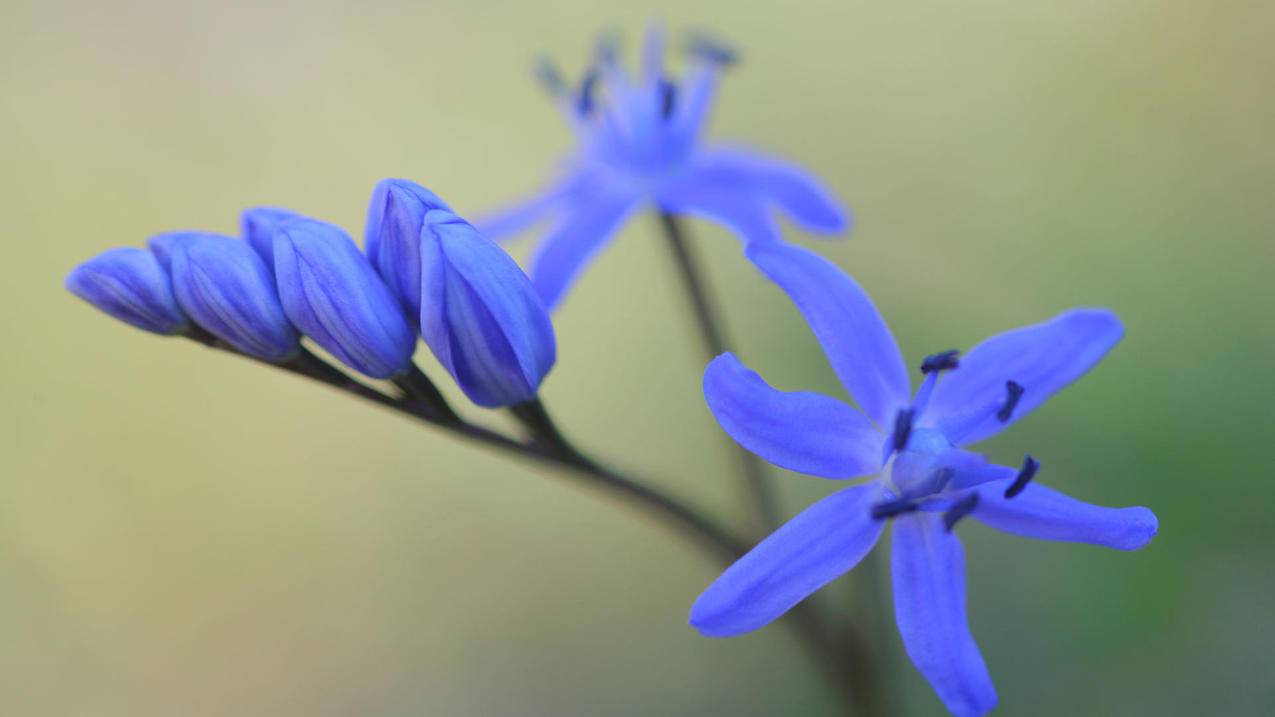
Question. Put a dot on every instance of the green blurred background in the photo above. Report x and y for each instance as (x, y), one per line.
(186, 533)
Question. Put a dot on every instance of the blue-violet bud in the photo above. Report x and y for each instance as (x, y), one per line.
(392, 237)
(257, 226)
(223, 286)
(129, 284)
(331, 292)
(480, 314)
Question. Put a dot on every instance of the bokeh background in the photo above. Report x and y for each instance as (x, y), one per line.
(186, 533)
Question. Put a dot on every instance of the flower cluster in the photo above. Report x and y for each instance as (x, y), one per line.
(426, 272)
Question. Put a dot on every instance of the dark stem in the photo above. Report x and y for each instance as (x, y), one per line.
(533, 415)
(842, 657)
(761, 497)
(873, 692)
(417, 387)
(692, 523)
(844, 654)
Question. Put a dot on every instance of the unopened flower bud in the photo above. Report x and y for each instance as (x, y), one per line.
(129, 284)
(333, 295)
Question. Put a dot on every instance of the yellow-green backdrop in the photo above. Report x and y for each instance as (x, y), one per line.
(186, 533)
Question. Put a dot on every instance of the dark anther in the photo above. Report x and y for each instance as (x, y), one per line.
(891, 508)
(960, 510)
(945, 361)
(668, 98)
(712, 49)
(584, 103)
(549, 77)
(902, 428)
(1025, 475)
(1013, 392)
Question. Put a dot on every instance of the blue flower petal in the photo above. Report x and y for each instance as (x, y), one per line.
(257, 226)
(164, 245)
(972, 474)
(524, 214)
(804, 432)
(392, 236)
(1043, 359)
(928, 566)
(854, 337)
(695, 99)
(820, 544)
(223, 285)
(653, 54)
(794, 190)
(129, 284)
(584, 227)
(1044, 513)
(330, 291)
(480, 314)
(739, 208)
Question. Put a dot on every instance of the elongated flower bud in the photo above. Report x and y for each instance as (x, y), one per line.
(223, 286)
(393, 236)
(129, 284)
(480, 315)
(257, 226)
(331, 292)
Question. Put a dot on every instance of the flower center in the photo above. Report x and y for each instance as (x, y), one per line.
(912, 472)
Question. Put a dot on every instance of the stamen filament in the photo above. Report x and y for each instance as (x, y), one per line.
(892, 508)
(960, 510)
(668, 98)
(940, 478)
(585, 100)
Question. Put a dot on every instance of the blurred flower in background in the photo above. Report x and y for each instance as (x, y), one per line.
(640, 143)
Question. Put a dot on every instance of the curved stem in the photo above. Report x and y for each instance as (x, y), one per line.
(844, 654)
(844, 657)
(536, 418)
(761, 497)
(841, 656)
(417, 386)
(694, 524)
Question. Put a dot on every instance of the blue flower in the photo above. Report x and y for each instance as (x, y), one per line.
(129, 284)
(480, 315)
(257, 226)
(639, 143)
(225, 287)
(333, 295)
(925, 480)
(392, 238)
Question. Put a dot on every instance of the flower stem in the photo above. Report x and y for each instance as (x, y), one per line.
(417, 387)
(693, 523)
(840, 655)
(844, 654)
(536, 418)
(761, 497)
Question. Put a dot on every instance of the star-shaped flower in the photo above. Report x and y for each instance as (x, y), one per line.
(925, 480)
(640, 144)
